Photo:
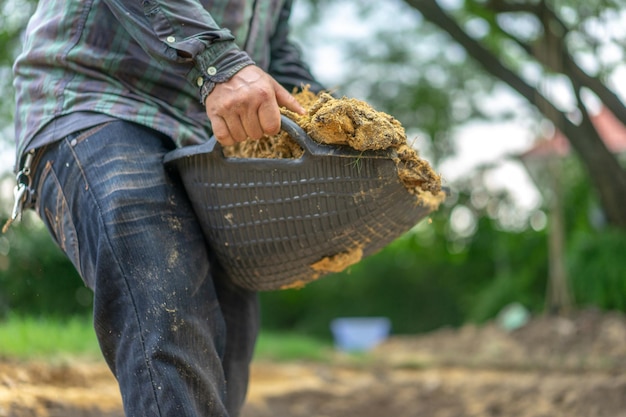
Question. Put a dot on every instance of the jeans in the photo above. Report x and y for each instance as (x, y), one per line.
(177, 335)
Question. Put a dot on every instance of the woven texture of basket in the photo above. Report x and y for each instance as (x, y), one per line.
(269, 220)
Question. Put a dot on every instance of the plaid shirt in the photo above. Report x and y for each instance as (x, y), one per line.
(143, 61)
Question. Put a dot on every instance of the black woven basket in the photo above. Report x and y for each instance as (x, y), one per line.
(270, 220)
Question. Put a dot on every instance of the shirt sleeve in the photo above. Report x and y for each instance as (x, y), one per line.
(182, 31)
(286, 64)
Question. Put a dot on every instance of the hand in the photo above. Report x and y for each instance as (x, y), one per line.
(248, 106)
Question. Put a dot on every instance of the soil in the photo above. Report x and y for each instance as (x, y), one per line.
(569, 366)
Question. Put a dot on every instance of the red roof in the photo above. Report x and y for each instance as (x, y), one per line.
(610, 129)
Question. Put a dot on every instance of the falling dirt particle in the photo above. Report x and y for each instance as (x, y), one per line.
(432, 201)
(354, 123)
(338, 262)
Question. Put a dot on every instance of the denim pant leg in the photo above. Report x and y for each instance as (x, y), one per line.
(177, 335)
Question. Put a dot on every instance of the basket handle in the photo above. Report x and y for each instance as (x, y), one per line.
(213, 148)
(313, 147)
(300, 136)
(316, 148)
(309, 145)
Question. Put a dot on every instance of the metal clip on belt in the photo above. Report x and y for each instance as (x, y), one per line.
(22, 192)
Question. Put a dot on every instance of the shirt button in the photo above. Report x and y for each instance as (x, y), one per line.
(171, 39)
(200, 81)
(211, 71)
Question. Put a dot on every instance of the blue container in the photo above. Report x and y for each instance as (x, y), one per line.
(359, 334)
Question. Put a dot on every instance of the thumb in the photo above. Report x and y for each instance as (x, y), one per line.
(284, 99)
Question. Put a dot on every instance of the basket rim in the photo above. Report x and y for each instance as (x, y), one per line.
(310, 146)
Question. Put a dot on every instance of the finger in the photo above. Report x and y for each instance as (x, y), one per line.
(221, 132)
(235, 127)
(285, 99)
(252, 126)
(269, 117)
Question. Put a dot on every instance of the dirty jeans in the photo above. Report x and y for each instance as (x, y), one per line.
(176, 334)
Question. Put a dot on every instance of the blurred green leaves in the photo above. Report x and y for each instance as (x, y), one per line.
(35, 276)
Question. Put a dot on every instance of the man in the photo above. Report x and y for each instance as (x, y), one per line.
(104, 89)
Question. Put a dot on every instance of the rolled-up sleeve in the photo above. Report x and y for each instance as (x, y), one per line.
(182, 31)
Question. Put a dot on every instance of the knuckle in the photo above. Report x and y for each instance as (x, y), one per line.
(221, 134)
(272, 127)
(264, 95)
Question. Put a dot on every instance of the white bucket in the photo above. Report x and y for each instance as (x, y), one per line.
(359, 333)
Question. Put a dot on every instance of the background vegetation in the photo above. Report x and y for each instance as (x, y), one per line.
(480, 251)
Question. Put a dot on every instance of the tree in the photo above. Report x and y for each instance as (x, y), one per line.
(557, 45)
(552, 53)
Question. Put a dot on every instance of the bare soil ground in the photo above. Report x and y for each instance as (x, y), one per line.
(568, 366)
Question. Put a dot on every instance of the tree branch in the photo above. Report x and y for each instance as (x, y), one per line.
(610, 100)
(608, 177)
(500, 6)
(434, 14)
(576, 73)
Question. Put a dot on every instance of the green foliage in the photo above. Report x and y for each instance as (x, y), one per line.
(27, 337)
(288, 347)
(581, 204)
(420, 284)
(394, 283)
(596, 266)
(503, 290)
(35, 276)
(518, 274)
(597, 269)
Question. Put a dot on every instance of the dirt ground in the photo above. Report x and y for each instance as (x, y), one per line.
(569, 366)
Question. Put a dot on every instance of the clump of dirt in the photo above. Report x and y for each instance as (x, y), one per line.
(351, 122)
(354, 123)
(330, 264)
(338, 262)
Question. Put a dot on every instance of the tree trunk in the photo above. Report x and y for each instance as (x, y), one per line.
(558, 295)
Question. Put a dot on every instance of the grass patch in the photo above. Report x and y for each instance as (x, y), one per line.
(47, 338)
(52, 338)
(288, 347)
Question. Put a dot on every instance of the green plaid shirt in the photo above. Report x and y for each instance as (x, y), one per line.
(143, 61)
